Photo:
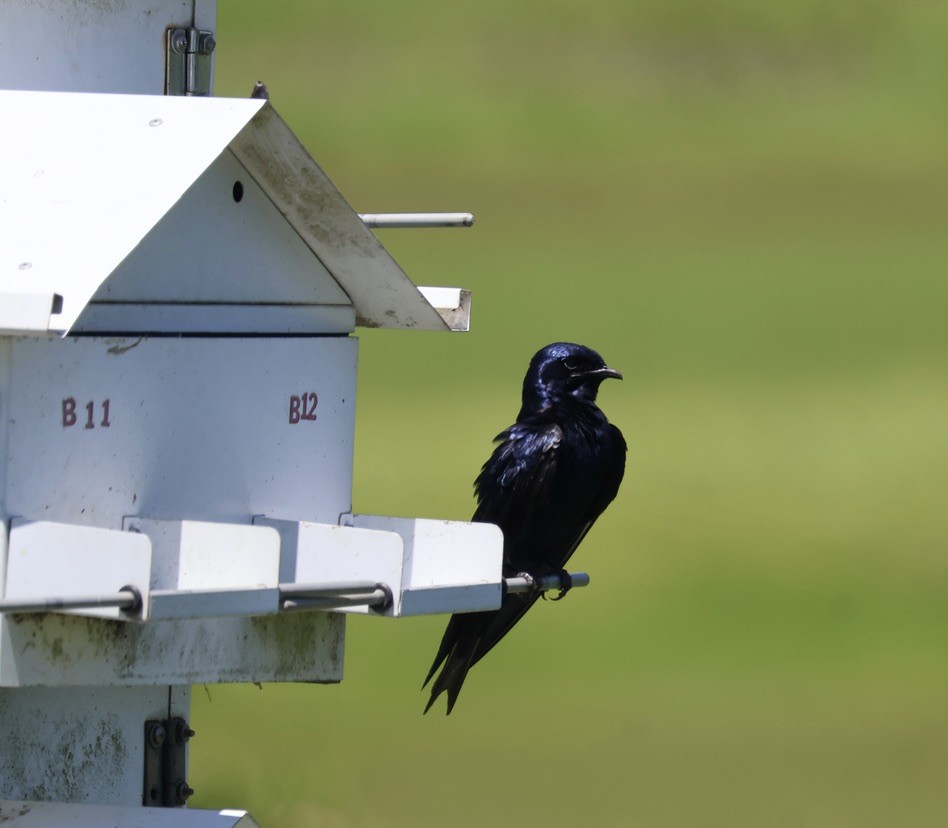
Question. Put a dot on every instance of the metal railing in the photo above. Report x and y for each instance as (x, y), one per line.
(293, 597)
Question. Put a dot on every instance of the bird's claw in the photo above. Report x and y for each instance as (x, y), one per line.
(566, 584)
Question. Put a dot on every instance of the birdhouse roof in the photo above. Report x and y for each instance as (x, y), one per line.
(86, 177)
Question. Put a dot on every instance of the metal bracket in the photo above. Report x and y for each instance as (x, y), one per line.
(188, 61)
(165, 759)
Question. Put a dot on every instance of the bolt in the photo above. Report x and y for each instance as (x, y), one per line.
(207, 44)
(182, 793)
(182, 731)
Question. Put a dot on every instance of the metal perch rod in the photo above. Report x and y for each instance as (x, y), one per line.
(334, 596)
(387, 220)
(293, 597)
(127, 599)
(527, 583)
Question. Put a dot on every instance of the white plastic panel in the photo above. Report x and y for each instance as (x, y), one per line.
(212, 603)
(45, 814)
(449, 566)
(25, 312)
(92, 47)
(218, 555)
(191, 554)
(218, 318)
(59, 650)
(211, 248)
(57, 560)
(75, 164)
(72, 746)
(430, 566)
(215, 429)
(317, 553)
(6, 348)
(384, 297)
(210, 570)
(452, 304)
(4, 550)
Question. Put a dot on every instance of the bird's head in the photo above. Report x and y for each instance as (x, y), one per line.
(563, 371)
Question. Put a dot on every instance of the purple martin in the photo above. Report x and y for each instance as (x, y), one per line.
(551, 475)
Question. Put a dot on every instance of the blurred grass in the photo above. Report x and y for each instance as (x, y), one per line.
(742, 206)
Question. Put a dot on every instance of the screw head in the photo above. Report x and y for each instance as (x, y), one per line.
(207, 44)
(157, 735)
(178, 40)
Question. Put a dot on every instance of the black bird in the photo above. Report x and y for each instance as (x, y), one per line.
(551, 475)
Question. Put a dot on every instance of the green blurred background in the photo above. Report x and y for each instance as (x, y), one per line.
(743, 207)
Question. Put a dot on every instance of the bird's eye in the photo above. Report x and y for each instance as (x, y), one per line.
(570, 364)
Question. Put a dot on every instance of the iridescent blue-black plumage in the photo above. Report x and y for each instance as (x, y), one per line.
(551, 475)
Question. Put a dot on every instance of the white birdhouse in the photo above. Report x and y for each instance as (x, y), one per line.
(179, 286)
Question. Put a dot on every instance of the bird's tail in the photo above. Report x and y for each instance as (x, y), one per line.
(467, 639)
(450, 680)
(459, 645)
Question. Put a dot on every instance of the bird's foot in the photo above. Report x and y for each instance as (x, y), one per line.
(566, 584)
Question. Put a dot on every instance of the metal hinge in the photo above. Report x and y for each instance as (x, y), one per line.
(188, 61)
(165, 758)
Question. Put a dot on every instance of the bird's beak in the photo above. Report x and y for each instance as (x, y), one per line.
(605, 372)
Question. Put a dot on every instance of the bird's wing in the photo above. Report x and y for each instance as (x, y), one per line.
(518, 477)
